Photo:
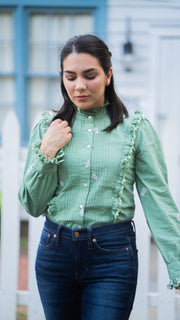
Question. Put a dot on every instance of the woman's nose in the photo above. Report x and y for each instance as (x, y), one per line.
(80, 84)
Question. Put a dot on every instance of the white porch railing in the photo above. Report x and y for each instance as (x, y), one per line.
(159, 304)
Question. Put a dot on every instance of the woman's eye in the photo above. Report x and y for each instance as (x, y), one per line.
(90, 77)
(70, 79)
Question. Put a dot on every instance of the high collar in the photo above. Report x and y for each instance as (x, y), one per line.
(94, 112)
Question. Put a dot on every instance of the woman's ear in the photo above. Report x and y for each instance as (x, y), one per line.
(109, 75)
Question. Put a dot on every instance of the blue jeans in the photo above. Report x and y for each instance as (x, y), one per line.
(87, 274)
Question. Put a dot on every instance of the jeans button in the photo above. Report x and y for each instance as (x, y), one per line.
(76, 234)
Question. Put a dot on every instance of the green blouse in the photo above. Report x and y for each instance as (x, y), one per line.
(90, 181)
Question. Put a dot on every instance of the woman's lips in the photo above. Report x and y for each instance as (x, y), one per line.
(82, 97)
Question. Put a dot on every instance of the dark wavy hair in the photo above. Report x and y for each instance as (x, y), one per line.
(97, 48)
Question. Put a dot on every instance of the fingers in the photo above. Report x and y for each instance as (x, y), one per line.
(67, 129)
(64, 124)
(60, 123)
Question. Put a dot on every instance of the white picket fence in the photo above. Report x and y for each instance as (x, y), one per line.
(160, 304)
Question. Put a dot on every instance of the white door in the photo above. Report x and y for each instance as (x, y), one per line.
(165, 99)
(165, 105)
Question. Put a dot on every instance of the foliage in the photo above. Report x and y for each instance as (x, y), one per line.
(21, 313)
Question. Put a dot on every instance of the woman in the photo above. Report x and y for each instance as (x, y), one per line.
(80, 171)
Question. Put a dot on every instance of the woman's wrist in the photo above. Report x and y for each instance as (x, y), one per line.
(48, 152)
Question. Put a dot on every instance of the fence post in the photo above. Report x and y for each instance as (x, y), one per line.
(9, 217)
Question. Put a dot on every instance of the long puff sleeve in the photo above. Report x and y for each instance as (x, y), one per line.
(159, 207)
(40, 177)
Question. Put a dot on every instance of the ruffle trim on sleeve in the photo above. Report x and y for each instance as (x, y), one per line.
(58, 159)
(121, 179)
(174, 283)
(46, 118)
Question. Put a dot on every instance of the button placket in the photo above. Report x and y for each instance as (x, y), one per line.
(87, 151)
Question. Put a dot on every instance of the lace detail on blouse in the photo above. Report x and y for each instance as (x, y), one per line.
(121, 179)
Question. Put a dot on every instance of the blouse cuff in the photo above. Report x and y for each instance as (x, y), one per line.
(174, 283)
(47, 160)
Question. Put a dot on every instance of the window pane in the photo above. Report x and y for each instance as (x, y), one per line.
(6, 57)
(6, 42)
(6, 26)
(55, 97)
(60, 28)
(44, 94)
(38, 93)
(38, 27)
(54, 59)
(38, 58)
(37, 98)
(82, 23)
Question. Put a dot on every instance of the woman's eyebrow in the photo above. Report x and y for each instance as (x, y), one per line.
(89, 70)
(68, 71)
(85, 71)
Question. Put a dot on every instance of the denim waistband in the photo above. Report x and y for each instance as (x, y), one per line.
(86, 233)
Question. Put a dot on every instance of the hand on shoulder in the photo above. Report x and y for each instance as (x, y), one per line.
(56, 137)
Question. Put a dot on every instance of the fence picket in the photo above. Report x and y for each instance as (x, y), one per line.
(10, 217)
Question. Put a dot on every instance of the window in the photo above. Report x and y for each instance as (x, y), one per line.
(31, 37)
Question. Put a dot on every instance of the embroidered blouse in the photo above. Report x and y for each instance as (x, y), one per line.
(90, 181)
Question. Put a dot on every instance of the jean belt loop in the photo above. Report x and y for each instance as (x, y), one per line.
(133, 225)
(59, 233)
(89, 231)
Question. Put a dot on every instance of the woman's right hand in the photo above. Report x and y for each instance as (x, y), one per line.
(55, 138)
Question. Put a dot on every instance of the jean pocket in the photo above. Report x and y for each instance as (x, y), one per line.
(113, 244)
(48, 239)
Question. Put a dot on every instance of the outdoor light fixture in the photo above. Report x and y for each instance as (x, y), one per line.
(128, 57)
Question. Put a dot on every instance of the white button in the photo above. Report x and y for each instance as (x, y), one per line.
(87, 164)
(88, 146)
(85, 185)
(89, 130)
(94, 176)
(82, 212)
(79, 227)
(96, 130)
(89, 117)
(81, 206)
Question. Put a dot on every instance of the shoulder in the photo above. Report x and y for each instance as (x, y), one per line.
(46, 118)
(137, 122)
(143, 132)
(134, 119)
(41, 126)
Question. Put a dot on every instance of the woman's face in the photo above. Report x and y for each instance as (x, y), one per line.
(85, 80)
